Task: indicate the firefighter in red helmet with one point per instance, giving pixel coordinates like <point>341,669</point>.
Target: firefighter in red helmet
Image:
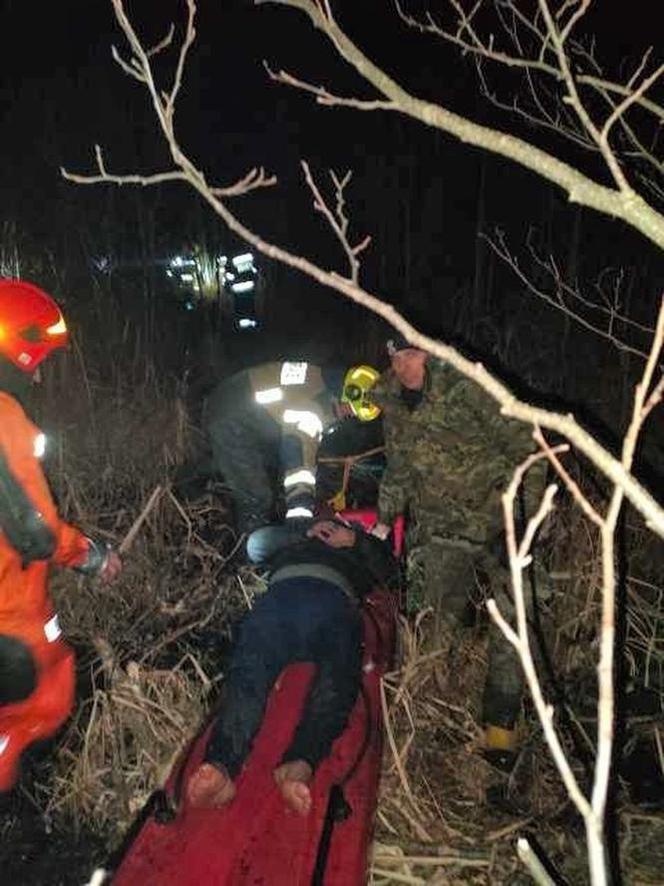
<point>36,665</point>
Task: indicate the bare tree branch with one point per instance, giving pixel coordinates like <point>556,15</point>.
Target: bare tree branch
<point>190,36</point>
<point>623,203</point>
<point>130,68</point>
<point>255,178</point>
<point>530,859</point>
<point>323,97</point>
<point>573,487</point>
<point>519,557</point>
<point>550,111</point>
<point>605,85</point>
<point>476,46</point>
<point>558,40</point>
<point>582,7</point>
<point>564,294</point>
<point>541,117</point>
<point>103,175</point>
<point>163,44</point>
<point>619,110</point>
<point>337,220</point>
<point>510,406</point>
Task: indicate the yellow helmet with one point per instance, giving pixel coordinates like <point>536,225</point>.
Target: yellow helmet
<point>358,382</point>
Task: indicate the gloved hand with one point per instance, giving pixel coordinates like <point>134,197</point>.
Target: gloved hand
<point>101,561</point>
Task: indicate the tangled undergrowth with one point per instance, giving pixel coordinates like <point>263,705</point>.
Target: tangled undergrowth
<point>150,655</point>
<point>447,817</point>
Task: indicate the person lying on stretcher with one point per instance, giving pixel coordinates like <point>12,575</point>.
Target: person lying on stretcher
<point>319,574</point>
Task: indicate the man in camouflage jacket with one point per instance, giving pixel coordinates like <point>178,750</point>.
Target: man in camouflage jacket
<point>450,455</point>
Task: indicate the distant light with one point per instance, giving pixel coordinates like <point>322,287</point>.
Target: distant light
<point>179,262</point>
<point>246,258</point>
<point>186,278</point>
<point>189,306</point>
<point>243,263</point>
<point>243,286</point>
<point>247,323</point>
<point>269,395</point>
<point>102,263</point>
<point>169,273</point>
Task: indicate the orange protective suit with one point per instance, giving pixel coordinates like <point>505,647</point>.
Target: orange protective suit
<point>26,611</point>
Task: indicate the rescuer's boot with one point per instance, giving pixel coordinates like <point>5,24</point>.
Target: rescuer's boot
<point>500,746</point>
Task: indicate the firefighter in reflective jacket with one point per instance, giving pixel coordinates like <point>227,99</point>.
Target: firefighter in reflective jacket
<point>36,666</point>
<point>265,424</point>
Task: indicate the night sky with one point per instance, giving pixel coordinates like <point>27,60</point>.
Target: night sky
<point>414,190</point>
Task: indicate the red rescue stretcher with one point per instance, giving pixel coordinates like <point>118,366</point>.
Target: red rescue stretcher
<point>257,839</point>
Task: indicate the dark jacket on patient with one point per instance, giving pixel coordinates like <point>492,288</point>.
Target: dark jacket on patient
<point>309,613</point>
<point>364,567</point>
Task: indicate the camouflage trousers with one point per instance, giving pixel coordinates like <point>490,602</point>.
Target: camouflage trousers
<point>452,576</point>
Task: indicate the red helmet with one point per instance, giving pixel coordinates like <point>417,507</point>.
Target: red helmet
<point>31,325</point>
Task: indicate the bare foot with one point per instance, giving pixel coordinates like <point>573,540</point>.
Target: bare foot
<point>293,780</point>
<point>210,787</point>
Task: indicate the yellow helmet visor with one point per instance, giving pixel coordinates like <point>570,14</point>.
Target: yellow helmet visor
<point>358,383</point>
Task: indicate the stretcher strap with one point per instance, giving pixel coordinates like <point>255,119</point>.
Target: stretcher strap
<point>338,500</point>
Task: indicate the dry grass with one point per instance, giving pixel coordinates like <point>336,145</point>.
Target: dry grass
<point>123,741</point>
<point>150,650</point>
<point>150,676</point>
<point>435,823</point>
<point>445,816</point>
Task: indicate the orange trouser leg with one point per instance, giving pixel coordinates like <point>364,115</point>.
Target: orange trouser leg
<point>37,717</point>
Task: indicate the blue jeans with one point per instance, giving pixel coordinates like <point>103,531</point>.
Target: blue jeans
<point>297,620</point>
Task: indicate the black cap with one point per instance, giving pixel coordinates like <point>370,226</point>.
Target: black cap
<point>397,343</point>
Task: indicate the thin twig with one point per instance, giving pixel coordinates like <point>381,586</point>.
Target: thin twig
<point>531,860</point>
<point>135,527</point>
<point>337,220</point>
<point>403,778</point>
